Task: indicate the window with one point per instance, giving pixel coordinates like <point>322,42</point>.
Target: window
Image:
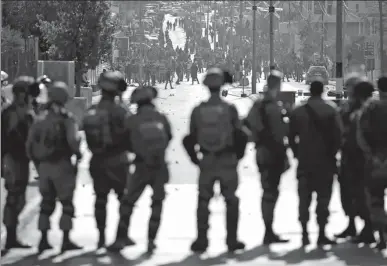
<point>330,7</point>
<point>318,5</point>
<point>374,26</point>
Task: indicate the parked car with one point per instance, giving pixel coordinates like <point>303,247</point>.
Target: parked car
<point>317,71</point>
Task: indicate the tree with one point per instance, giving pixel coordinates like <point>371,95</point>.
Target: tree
<point>311,39</point>
<point>81,32</point>
<point>11,40</point>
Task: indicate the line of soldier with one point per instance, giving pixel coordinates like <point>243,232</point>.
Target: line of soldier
<point>216,142</point>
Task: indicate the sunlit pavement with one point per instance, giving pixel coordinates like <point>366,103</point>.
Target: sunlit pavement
<point>179,222</point>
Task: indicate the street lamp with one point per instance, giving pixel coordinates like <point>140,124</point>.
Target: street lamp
<point>254,74</point>
<point>271,19</point>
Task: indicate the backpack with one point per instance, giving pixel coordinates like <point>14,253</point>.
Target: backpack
<point>97,127</point>
<point>215,130</point>
<point>49,136</point>
<point>149,141</point>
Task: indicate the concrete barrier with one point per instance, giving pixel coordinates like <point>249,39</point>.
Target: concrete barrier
<point>87,92</point>
<point>78,106</point>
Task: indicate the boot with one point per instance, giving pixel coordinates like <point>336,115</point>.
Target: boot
<point>44,244</point>
<point>366,236</point>
<point>323,239</point>
<point>67,244</point>
<point>237,245</point>
<point>350,231</point>
<point>101,240</point>
<point>382,241</point>
<point>12,241</point>
<point>199,245</point>
<point>305,235</point>
<point>151,246</point>
<point>272,238</point>
<point>122,239</point>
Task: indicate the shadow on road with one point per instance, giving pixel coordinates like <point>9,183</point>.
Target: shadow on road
<point>353,255</point>
<point>345,252</point>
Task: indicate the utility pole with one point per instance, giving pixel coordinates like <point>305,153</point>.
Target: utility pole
<point>381,30</point>
<point>271,19</point>
<point>339,47</point>
<point>224,31</point>
<point>322,31</point>
<point>141,45</point>
<point>232,29</point>
<point>254,74</point>
<point>240,27</point>
<point>208,18</point>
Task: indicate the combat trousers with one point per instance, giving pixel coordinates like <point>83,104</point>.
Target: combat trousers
<point>57,181</point>
<point>142,177</point>
<point>16,177</point>
<point>109,173</point>
<point>353,188</point>
<point>321,183</point>
<point>270,180</point>
<point>224,170</point>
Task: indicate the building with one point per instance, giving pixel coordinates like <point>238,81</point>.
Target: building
<point>360,28</point>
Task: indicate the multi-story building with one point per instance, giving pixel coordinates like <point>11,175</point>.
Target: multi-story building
<point>360,28</point>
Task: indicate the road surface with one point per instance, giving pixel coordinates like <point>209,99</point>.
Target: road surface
<point>178,224</point>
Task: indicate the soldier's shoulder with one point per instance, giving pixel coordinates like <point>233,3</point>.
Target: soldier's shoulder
<point>331,104</point>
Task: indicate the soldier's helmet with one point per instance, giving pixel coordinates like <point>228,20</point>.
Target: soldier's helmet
<point>112,81</point>
<point>22,84</point>
<point>143,95</point>
<point>58,93</point>
<point>216,77</point>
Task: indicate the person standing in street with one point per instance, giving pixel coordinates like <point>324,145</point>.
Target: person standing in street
<point>352,176</point>
<point>194,72</point>
<point>317,126</point>
<point>372,139</point>
<point>150,134</point>
<point>216,128</point>
<point>106,137</point>
<point>16,120</point>
<point>265,120</point>
<point>52,141</point>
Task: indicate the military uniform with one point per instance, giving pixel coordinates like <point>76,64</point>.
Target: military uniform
<point>150,134</point>
<point>52,141</point>
<point>16,120</point>
<point>373,134</point>
<point>315,151</point>
<point>219,162</point>
<point>352,173</point>
<point>105,131</point>
<point>265,120</point>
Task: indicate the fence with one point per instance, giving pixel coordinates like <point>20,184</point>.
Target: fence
<point>16,63</point>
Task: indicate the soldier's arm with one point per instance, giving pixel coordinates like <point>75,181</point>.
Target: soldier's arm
<point>253,121</point>
<point>293,134</point>
<point>338,131</point>
<point>277,127</point>
<point>31,134</point>
<point>366,127</point>
<point>72,136</point>
<point>168,128</point>
<point>192,125</point>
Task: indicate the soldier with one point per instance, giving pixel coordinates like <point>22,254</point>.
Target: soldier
<point>318,127</point>
<point>150,134</point>
<point>351,177</point>
<point>16,120</point>
<point>216,128</point>
<point>51,143</point>
<point>265,120</point>
<point>105,131</point>
<point>372,140</point>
